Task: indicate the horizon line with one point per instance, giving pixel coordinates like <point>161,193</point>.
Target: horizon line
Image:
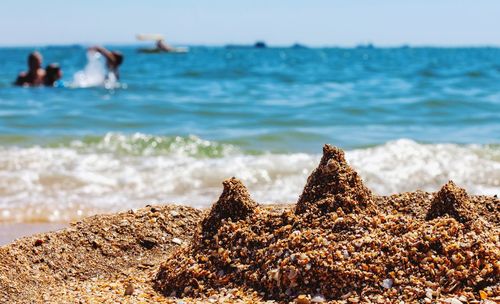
<point>279,45</point>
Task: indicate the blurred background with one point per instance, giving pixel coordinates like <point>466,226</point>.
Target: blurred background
<point>246,89</point>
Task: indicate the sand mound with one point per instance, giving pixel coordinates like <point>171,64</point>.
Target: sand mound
<point>334,184</point>
<point>453,201</point>
<point>233,204</point>
<point>94,260</point>
<point>339,253</point>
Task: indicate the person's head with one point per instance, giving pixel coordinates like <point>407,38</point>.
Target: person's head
<point>52,74</point>
<point>34,61</point>
<point>118,56</point>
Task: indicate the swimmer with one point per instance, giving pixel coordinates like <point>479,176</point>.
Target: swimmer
<point>53,74</point>
<point>35,74</point>
<point>162,46</point>
<point>113,60</point>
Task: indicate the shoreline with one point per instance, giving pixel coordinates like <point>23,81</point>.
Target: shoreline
<point>120,174</point>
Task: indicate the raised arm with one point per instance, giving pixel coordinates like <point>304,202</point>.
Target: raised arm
<point>106,53</point>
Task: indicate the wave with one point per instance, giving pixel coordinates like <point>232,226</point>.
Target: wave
<point>139,144</point>
<point>116,172</point>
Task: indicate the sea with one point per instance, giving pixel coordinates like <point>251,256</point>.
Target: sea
<point>176,125</point>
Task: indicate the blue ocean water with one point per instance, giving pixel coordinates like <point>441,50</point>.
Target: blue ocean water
<point>178,124</point>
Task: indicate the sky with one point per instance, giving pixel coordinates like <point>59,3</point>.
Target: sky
<point>278,22</point>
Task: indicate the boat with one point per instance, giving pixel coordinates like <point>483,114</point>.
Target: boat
<point>256,45</point>
<point>260,45</point>
<point>174,50</point>
<point>161,46</point>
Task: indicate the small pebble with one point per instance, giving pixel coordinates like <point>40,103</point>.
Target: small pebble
<point>318,299</point>
<point>483,294</point>
<point>177,241</point>
<point>302,299</point>
<point>428,293</point>
<point>129,290</point>
<point>387,283</point>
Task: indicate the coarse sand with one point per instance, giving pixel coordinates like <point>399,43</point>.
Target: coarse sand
<point>339,244</point>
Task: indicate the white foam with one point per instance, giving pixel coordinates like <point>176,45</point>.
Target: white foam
<point>405,165</point>
<point>94,74</point>
<point>59,184</point>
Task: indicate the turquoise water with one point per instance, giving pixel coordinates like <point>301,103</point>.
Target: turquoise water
<point>177,125</point>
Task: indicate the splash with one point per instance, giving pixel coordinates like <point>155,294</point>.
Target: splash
<point>94,74</point>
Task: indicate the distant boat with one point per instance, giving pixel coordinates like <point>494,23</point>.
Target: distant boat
<point>260,45</point>
<point>256,45</point>
<point>298,46</point>
<point>174,50</point>
<point>161,46</point>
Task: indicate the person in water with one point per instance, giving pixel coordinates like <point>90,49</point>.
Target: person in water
<point>53,74</point>
<point>113,60</point>
<point>162,46</point>
<point>35,74</point>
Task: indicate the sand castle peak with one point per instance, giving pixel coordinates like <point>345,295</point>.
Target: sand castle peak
<point>286,255</point>
<point>234,203</point>
<point>453,201</point>
<point>334,184</point>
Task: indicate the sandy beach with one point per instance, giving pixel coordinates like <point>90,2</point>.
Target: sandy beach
<point>250,152</point>
<point>339,244</point>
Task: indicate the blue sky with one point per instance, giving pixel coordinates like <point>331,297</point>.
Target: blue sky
<point>279,22</point>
